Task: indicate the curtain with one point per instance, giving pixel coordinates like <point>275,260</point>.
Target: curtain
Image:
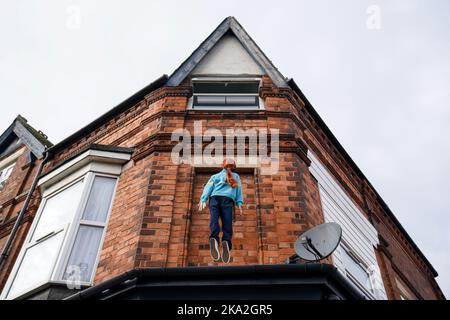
<point>99,199</point>
<point>84,253</point>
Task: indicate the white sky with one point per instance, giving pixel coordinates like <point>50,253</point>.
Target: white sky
<point>384,93</point>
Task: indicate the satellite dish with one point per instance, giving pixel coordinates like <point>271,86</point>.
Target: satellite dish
<point>319,242</point>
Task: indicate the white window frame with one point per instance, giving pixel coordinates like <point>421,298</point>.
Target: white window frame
<point>359,236</point>
<point>77,222</point>
<point>6,163</point>
<point>87,166</point>
<point>404,292</point>
<point>5,173</point>
<point>359,261</point>
<point>225,108</point>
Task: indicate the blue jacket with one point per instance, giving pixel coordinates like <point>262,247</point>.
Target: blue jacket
<point>218,186</point>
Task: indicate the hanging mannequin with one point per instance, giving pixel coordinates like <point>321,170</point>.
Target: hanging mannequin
<point>224,191</point>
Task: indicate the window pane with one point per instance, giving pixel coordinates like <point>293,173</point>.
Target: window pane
<point>355,269</point>
<point>4,174</point>
<point>84,253</point>
<point>210,100</point>
<point>59,210</point>
<point>99,199</point>
<point>37,265</point>
<point>241,100</point>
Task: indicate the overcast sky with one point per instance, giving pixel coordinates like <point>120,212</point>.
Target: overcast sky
<point>381,85</point>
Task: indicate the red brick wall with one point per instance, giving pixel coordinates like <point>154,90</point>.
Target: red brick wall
<point>119,251</point>
<point>154,221</point>
<point>245,228</point>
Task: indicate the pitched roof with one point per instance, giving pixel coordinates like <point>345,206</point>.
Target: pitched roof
<point>36,141</point>
<point>230,24</point>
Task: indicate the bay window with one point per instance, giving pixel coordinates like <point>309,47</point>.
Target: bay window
<point>66,236</point>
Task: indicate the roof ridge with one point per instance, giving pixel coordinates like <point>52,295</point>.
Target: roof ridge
<point>228,24</point>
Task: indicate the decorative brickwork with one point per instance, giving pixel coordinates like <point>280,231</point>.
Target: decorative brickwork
<point>154,220</point>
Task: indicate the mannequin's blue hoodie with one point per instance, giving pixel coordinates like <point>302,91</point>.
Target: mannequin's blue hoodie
<point>218,186</point>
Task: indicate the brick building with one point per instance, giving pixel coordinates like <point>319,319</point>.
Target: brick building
<point>112,207</point>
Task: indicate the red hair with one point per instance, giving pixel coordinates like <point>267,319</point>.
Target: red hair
<point>229,164</point>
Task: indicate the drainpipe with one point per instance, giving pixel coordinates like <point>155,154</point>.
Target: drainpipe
<point>19,219</point>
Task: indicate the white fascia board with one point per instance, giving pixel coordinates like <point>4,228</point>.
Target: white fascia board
<point>87,157</point>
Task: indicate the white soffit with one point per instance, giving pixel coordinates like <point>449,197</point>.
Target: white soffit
<point>85,158</point>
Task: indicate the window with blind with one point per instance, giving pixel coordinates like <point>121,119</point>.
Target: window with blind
<point>355,257</point>
<point>67,236</point>
<point>226,95</point>
<point>64,241</point>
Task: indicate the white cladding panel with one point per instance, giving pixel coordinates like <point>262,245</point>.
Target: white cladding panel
<point>358,234</point>
<point>228,57</point>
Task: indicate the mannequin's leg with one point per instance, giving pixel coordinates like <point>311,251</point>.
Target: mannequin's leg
<point>227,227</point>
<point>214,211</point>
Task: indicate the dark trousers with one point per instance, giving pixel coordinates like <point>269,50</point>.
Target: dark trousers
<point>222,207</point>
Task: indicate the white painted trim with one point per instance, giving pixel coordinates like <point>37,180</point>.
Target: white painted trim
<point>17,264</point>
<point>228,109</point>
<point>86,157</point>
<point>358,259</point>
<point>359,236</point>
<point>11,158</point>
<point>90,164</point>
<point>59,273</point>
<point>88,178</point>
<point>190,104</point>
<point>62,180</point>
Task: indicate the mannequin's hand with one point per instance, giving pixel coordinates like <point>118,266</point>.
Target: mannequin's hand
<point>240,211</point>
<point>201,206</point>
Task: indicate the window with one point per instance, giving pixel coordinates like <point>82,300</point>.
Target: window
<point>356,270</point>
<point>404,292</point>
<point>90,230</point>
<point>65,238</point>
<point>57,217</point>
<point>5,172</point>
<point>41,250</point>
<point>355,257</point>
<point>226,95</point>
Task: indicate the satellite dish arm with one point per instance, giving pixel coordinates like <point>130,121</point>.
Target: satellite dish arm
<point>316,252</point>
